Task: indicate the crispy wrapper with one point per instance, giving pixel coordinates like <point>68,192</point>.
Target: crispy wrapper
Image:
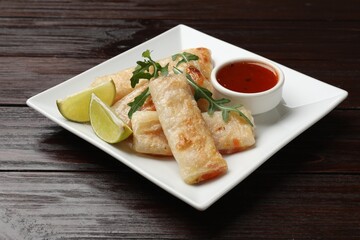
<point>188,136</point>
<point>148,136</point>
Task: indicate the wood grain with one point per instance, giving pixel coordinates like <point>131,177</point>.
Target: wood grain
<point>188,9</point>
<point>123,205</point>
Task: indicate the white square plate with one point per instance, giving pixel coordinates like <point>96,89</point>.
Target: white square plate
<point>305,101</point>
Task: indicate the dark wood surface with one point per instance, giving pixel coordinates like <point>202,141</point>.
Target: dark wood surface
<point>54,185</point>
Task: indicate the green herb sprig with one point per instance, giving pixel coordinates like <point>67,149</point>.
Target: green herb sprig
<point>142,70</point>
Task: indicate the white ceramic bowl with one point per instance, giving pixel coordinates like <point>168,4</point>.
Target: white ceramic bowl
<point>257,103</point>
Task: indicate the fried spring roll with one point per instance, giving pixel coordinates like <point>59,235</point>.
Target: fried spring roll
<point>233,136</point>
<point>230,137</point>
<point>189,138</point>
<point>148,136</point>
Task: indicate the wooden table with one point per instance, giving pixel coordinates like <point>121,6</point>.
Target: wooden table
<point>54,185</point>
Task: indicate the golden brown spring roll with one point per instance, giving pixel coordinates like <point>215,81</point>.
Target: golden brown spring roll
<point>189,138</point>
<point>148,136</point>
<point>204,63</point>
<point>230,137</point>
<point>122,78</point>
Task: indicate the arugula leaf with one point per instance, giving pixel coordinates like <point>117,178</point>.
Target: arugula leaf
<point>138,102</point>
<point>142,70</point>
<point>186,57</point>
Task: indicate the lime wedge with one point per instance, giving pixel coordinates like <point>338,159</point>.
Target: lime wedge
<point>105,123</point>
<point>76,107</point>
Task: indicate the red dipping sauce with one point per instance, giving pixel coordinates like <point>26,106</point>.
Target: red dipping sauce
<point>247,77</point>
